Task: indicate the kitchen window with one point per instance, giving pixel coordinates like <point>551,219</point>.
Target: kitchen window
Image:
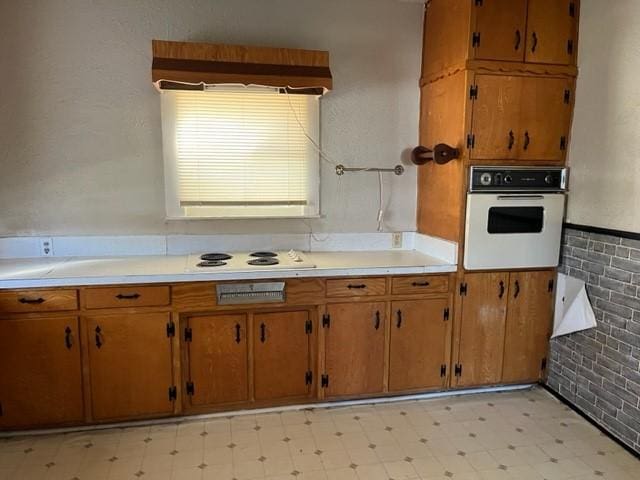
<point>240,152</point>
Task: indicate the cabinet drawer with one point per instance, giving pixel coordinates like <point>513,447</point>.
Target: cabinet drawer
<point>25,301</point>
<point>133,296</point>
<point>356,287</point>
<point>420,284</point>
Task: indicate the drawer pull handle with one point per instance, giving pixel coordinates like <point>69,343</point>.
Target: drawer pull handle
<point>376,324</point>
<point>32,301</point>
<point>517,292</point>
<point>68,338</point>
<point>512,139</point>
<point>131,296</point>
<point>263,332</point>
<point>361,285</point>
<point>518,40</point>
<point>534,41</point>
<point>420,284</point>
<point>237,333</point>
<point>501,289</point>
<point>527,140</point>
<point>399,324</point>
<point>99,340</point>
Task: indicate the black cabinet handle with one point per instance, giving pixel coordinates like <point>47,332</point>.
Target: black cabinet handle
<point>376,324</point>
<point>131,296</point>
<point>501,289</point>
<point>527,140</point>
<point>99,341</point>
<point>237,333</point>
<point>361,285</point>
<point>518,39</point>
<point>512,139</point>
<point>399,323</point>
<point>263,332</point>
<point>420,284</point>
<point>534,42</point>
<point>32,301</point>
<point>517,292</point>
<point>68,339</point>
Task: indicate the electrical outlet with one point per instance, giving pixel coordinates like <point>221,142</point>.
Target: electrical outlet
<point>396,240</point>
<point>46,247</point>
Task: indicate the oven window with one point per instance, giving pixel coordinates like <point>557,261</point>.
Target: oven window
<point>515,219</point>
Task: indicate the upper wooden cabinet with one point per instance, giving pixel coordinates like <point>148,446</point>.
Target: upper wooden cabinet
<point>523,31</point>
<point>40,378</point>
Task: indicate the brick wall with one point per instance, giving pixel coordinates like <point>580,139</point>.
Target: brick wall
<point>598,370</point>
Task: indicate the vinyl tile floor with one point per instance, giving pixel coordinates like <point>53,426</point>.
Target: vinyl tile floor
<point>526,435</point>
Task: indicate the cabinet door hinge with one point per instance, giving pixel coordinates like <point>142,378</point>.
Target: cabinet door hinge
<point>308,378</point>
<point>463,289</point>
<point>475,39</point>
<point>324,381</point>
<point>171,329</point>
<point>473,92</point>
<point>191,389</point>
<point>471,140</point>
<point>443,370</point>
<point>188,334</point>
<point>326,320</point>
<point>308,327</point>
<point>1,411</point>
<point>446,314</point>
<point>563,143</point>
<point>570,47</point>
<point>572,9</point>
<point>173,393</point>
<point>550,286</point>
<point>567,96</point>
<point>458,370</point>
<point>543,364</point>
<point>478,3</point>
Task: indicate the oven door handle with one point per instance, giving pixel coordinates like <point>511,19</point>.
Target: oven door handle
<point>520,197</point>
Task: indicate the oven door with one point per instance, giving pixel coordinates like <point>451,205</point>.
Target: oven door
<point>513,230</point>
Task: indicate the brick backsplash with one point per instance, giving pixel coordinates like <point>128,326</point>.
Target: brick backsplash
<point>598,370</point>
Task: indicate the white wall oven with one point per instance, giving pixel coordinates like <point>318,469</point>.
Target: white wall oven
<point>514,217</point>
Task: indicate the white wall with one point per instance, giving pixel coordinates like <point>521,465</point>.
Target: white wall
<point>604,153</point>
<point>80,144</point>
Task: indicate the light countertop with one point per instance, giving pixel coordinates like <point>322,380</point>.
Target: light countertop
<point>54,272</point>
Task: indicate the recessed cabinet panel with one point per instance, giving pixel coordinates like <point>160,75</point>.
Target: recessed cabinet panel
<point>482,330</point>
<point>40,377</point>
<point>551,31</point>
<point>528,326</point>
<point>131,365</point>
<point>419,344</point>
<point>282,355</point>
<point>354,348</point>
<point>500,30</point>
<point>217,357</point>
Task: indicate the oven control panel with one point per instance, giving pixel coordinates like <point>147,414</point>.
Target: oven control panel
<point>517,179</point>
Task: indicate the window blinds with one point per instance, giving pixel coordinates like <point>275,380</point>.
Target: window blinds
<point>241,151</point>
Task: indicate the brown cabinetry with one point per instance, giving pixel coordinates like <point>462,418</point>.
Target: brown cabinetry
<point>130,365</point>
<point>40,377</point>
<point>500,29</point>
<point>355,348</point>
<point>418,357</point>
<point>552,31</point>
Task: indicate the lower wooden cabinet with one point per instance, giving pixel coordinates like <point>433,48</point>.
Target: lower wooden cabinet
<point>420,338</point>
<point>216,355</point>
<point>41,376</point>
<point>282,355</point>
<point>355,348</point>
<point>130,365</point>
<point>529,321</point>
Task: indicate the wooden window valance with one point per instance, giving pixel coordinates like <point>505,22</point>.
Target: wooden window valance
<point>188,66</point>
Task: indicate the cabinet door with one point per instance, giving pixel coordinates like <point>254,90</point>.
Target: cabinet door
<point>130,365</point>
<point>551,31</point>
<point>282,355</point>
<point>217,359</point>
<point>545,118</point>
<point>482,329</point>
<point>419,341</point>
<point>501,26</point>
<point>496,116</point>
<point>41,377</point>
<point>528,325</point>
<point>354,348</point>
